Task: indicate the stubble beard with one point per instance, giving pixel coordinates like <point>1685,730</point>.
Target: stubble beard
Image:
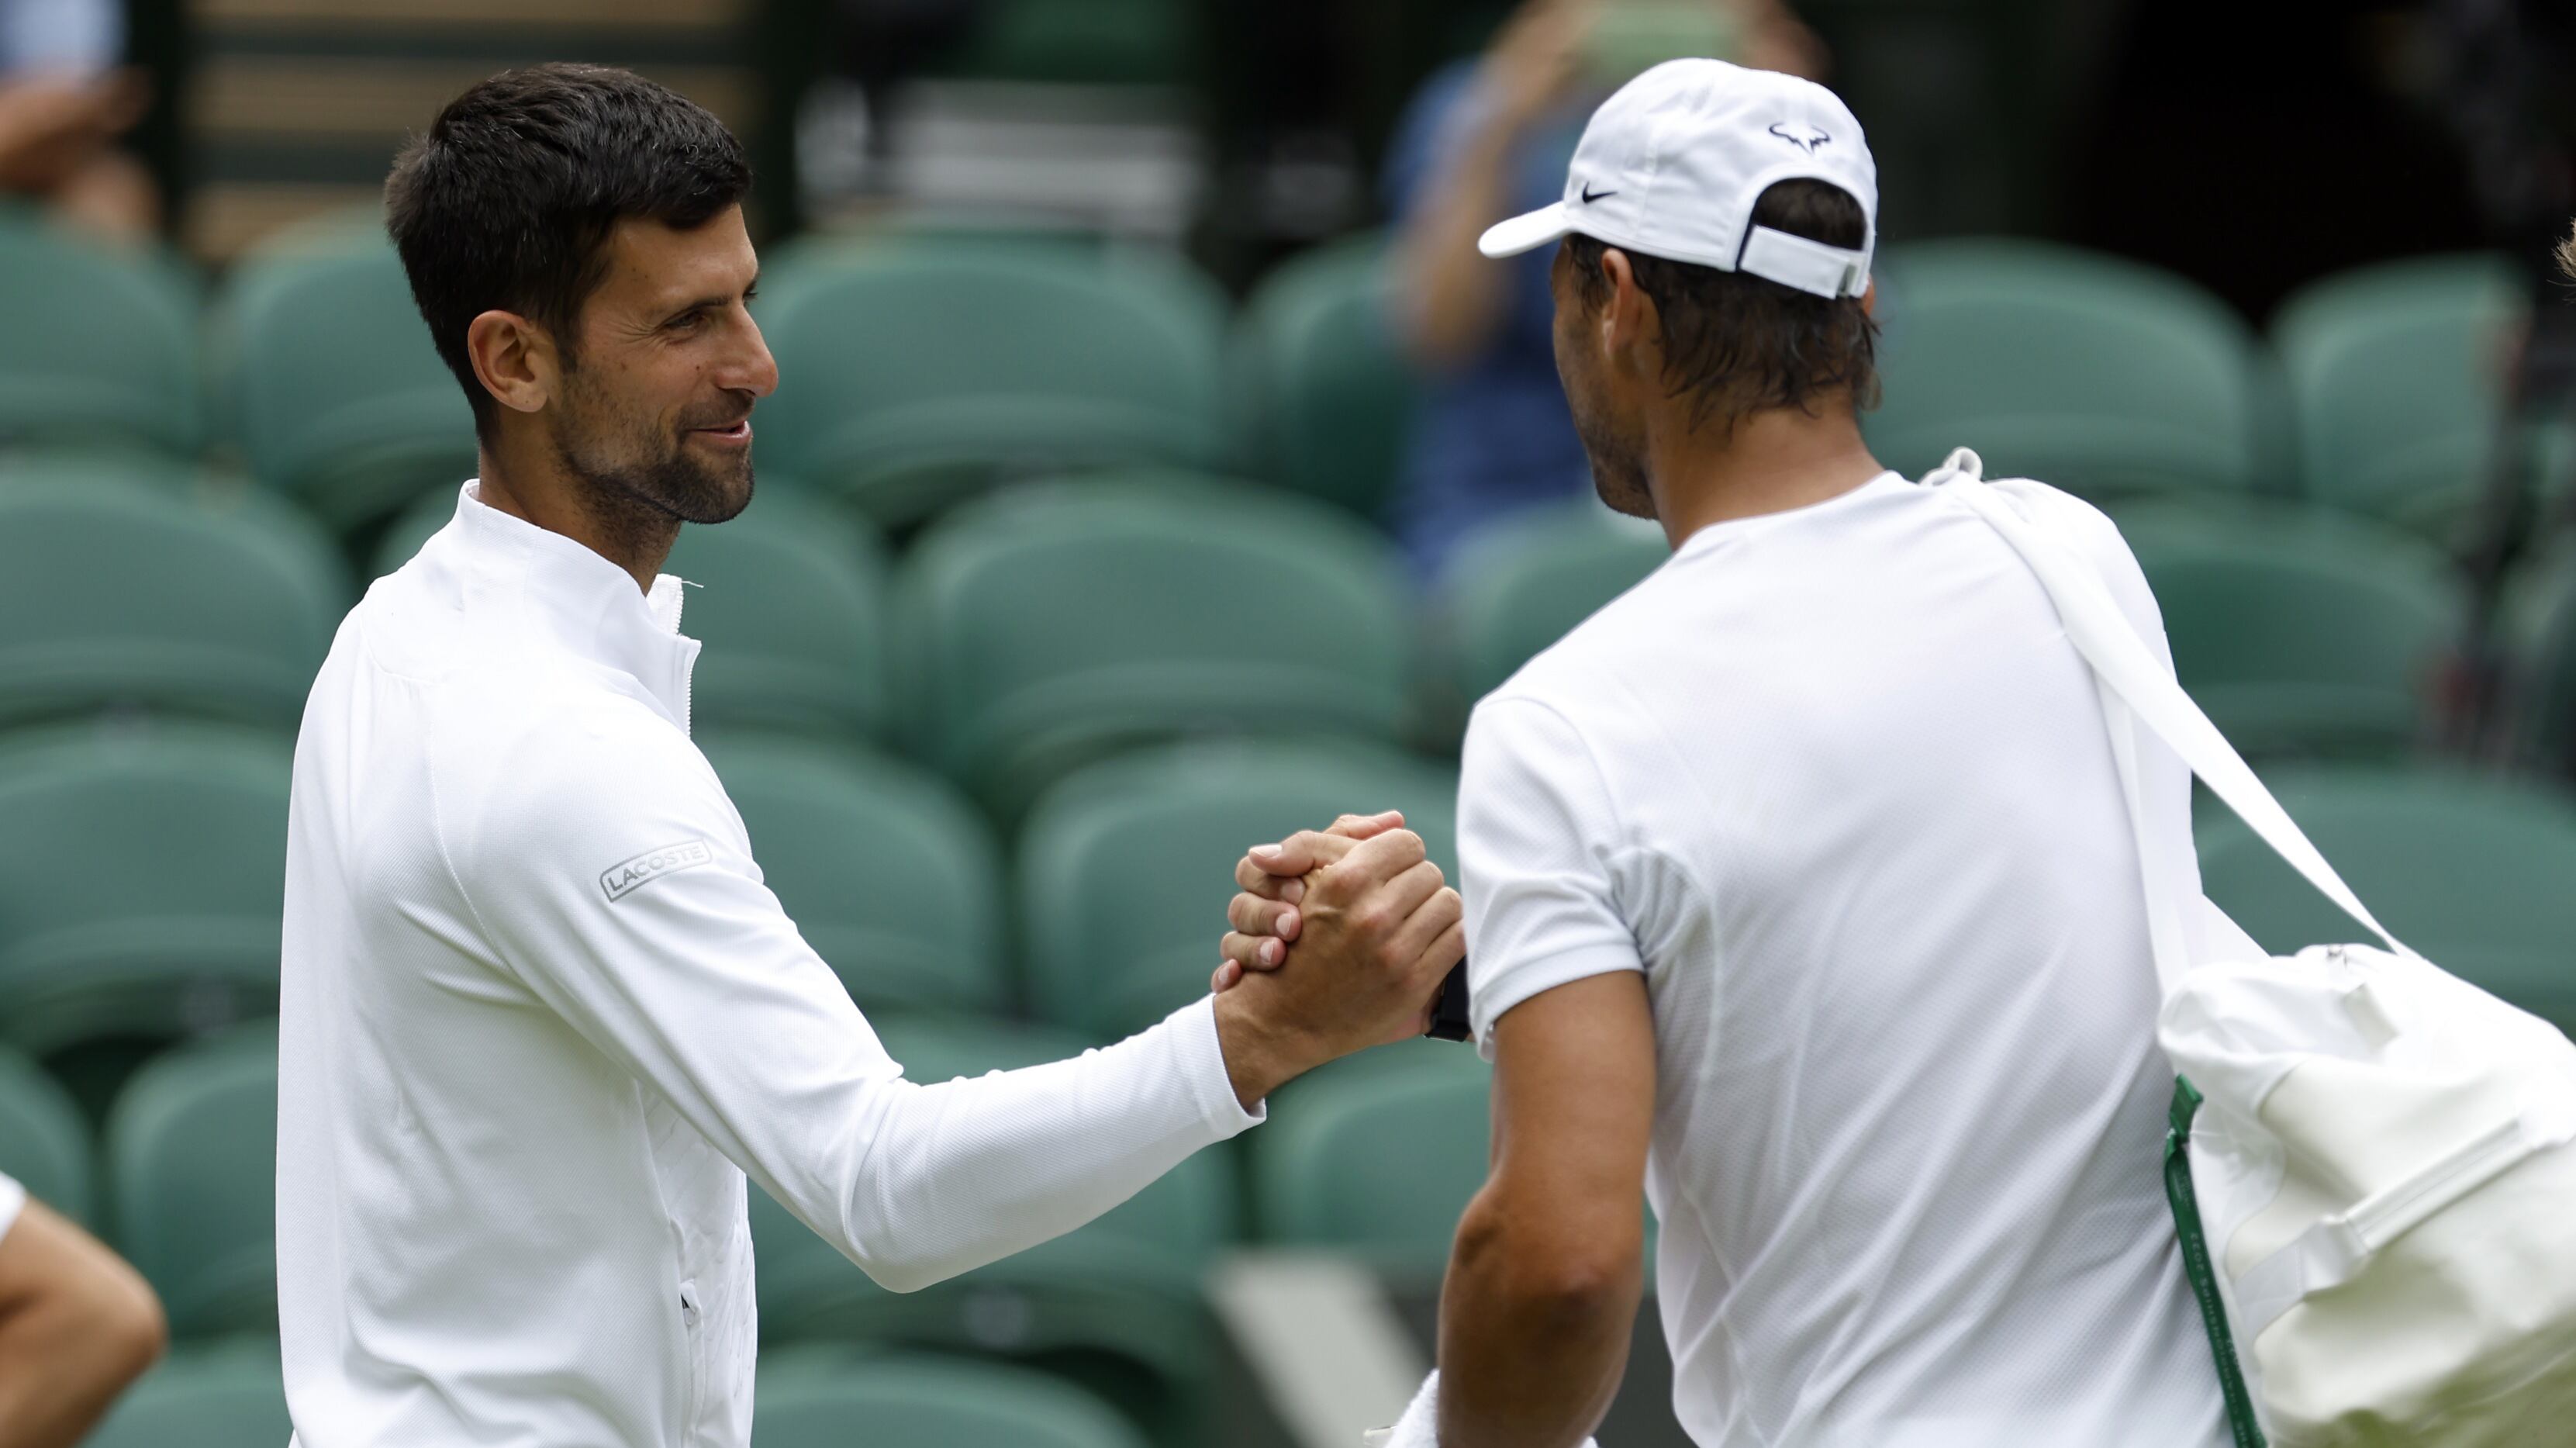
<point>645,495</point>
<point>1618,464</point>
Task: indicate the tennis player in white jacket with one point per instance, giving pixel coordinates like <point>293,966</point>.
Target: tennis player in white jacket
<point>539,1015</point>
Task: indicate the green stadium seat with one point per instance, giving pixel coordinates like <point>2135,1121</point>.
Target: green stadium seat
<point>101,344</point>
<point>228,1394</point>
<point>951,1403</point>
<point>140,873</point>
<point>335,391</point>
<point>1523,583</point>
<point>192,1177</point>
<point>1378,1159</point>
<point>2394,374</point>
<point>2301,633</point>
<point>914,375</point>
<point>790,603</point>
<point>1124,870</point>
<point>43,1141</point>
<point>2537,625</point>
<point>119,593</point>
<point>1052,626</point>
<point>102,467</point>
<point>1114,1303</point>
<point>890,875</point>
<point>2472,872</point>
<point>2098,375</point>
<point>789,599</point>
<point>1322,398</point>
<point>1098,42</point>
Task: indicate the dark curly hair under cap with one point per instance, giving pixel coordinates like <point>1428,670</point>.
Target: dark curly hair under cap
<point>506,202</point>
<point>1742,344</point>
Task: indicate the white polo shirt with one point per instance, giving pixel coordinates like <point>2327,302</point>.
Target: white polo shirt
<point>540,1016</point>
<point>13,1200</point>
<point>1835,781</point>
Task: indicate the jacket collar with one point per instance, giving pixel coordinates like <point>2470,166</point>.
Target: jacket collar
<point>561,590</point>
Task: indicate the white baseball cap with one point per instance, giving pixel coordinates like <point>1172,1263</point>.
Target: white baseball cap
<point>1672,165</point>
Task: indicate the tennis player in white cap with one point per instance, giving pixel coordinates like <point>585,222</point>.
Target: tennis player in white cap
<point>1801,895</point>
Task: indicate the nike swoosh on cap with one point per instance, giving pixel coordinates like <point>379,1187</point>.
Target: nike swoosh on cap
<point>1590,195</point>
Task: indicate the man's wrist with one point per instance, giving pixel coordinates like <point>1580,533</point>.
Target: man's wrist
<point>1260,1056</point>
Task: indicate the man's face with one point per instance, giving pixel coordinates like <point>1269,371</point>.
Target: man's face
<point>655,402</point>
<point>1613,435</point>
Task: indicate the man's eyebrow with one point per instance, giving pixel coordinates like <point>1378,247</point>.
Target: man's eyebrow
<point>700,304</point>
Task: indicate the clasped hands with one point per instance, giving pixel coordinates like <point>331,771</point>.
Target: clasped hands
<point>1360,902</point>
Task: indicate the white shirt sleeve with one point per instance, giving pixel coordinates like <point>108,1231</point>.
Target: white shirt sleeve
<point>618,886</point>
<point>1537,847</point>
<point>13,1200</point>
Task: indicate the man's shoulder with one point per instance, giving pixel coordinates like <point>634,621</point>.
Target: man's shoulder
<point>1589,666</point>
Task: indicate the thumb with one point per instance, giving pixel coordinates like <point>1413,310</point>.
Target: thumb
<point>1361,827</point>
<point>1301,852</point>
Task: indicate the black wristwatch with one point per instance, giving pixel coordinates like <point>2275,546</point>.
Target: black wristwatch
<point>1449,1013</point>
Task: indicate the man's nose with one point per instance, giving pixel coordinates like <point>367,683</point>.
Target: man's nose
<point>754,370</point>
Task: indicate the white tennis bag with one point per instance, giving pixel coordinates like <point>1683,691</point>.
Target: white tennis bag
<point>2368,1162</point>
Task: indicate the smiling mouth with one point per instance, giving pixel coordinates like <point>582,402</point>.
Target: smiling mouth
<point>738,430</point>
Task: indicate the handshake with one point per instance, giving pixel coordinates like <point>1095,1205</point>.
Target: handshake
<point>1375,930</point>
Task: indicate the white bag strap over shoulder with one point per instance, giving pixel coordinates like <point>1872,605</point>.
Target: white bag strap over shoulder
<point>2102,634</point>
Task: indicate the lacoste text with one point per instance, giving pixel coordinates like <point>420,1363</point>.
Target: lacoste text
<point>626,877</point>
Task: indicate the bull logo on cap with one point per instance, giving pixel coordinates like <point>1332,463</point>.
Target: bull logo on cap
<point>1807,142</point>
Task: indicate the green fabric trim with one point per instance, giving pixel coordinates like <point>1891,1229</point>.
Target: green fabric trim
<point>2197,1267</point>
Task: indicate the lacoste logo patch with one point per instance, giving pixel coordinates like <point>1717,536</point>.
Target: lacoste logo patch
<point>628,876</point>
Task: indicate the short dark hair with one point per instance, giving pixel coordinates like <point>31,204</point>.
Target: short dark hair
<point>1745,344</point>
<point>507,200</point>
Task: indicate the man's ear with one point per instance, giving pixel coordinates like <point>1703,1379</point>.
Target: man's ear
<point>513,358</point>
<point>1869,299</point>
<point>1629,323</point>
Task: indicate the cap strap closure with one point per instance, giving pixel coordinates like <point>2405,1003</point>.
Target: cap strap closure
<point>1809,266</point>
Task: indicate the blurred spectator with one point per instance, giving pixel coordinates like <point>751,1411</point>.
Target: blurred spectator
<point>63,104</point>
<point>76,1325</point>
<point>1490,137</point>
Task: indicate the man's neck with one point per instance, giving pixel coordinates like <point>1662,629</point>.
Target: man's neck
<point>1771,462</point>
<point>526,482</point>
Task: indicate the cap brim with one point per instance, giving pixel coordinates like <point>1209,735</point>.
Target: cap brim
<point>1528,233</point>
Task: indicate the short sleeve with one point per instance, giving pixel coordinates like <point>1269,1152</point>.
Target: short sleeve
<point>1537,841</point>
<point>13,1200</point>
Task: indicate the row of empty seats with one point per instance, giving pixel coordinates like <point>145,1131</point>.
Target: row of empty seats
<point>1376,1155</point>
<point>917,371</point>
<point>141,866</point>
<point>232,1394</point>
<point>1049,625</point>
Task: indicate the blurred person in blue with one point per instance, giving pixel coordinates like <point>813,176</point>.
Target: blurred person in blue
<point>63,103</point>
<point>1490,136</point>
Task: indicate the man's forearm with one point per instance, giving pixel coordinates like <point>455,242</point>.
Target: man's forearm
<point>76,1326</point>
<point>1533,1333</point>
<point>1449,307</point>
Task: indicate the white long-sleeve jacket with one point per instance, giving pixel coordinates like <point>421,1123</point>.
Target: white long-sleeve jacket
<point>540,1016</point>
